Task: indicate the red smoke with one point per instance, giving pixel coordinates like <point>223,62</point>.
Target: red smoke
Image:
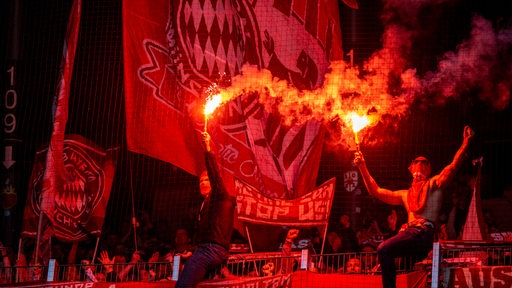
<point>387,83</point>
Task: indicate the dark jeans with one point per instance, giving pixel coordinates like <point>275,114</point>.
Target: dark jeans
<point>413,241</point>
<point>206,257</point>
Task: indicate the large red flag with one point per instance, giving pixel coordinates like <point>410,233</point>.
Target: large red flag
<point>175,50</point>
<point>79,205</point>
<point>55,172</point>
<point>157,122</point>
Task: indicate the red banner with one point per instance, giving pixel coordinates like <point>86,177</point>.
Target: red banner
<point>277,281</point>
<point>497,276</point>
<point>416,279</point>
<point>308,210</point>
<point>297,279</point>
<point>175,50</point>
<point>79,207</point>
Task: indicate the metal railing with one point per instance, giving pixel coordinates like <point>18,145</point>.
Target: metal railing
<point>446,256</point>
<point>250,264</point>
<point>450,255</point>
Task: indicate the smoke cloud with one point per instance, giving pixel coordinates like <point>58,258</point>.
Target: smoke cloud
<point>387,84</point>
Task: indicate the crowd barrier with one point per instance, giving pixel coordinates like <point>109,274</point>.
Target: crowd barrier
<point>464,264</point>
<point>453,264</point>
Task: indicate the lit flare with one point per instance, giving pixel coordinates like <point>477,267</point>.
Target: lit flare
<point>212,103</point>
<point>358,123</point>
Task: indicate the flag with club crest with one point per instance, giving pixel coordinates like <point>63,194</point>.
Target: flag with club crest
<point>79,202</point>
<point>175,50</point>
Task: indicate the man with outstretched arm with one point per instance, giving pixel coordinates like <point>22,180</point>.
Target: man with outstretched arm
<point>422,201</point>
<point>215,225</point>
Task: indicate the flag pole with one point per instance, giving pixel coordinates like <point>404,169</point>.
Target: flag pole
<point>16,280</point>
<point>95,249</point>
<point>134,219</point>
<point>250,248</point>
<point>38,236</point>
<point>249,238</point>
<point>323,245</point>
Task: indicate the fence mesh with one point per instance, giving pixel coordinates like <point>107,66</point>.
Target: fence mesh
<point>151,199</point>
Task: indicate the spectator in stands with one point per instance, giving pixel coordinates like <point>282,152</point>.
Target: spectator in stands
<point>371,235</point>
<point>349,242</point>
<point>115,270</point>
<point>108,267</point>
<point>390,227</point>
<point>5,268</point>
<point>149,272</point>
<point>215,225</point>
<point>90,271</point>
<point>332,246</point>
<point>316,240</point>
<point>182,246</point>
<point>422,202</point>
<point>119,260</point>
<point>287,262</point>
<point>333,243</point>
<point>353,265</point>
<point>369,258</point>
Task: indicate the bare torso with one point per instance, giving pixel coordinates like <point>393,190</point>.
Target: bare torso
<point>432,207</point>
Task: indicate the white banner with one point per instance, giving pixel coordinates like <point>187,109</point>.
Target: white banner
<point>311,209</point>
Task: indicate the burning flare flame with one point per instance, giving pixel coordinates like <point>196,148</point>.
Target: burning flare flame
<point>212,103</point>
<point>358,122</point>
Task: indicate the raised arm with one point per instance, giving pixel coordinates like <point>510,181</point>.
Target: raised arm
<point>287,262</point>
<point>206,139</point>
<point>385,195</point>
<point>212,168</point>
<point>447,174</point>
<point>287,245</point>
<point>126,269</point>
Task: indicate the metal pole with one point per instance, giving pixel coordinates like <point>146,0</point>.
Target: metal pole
<point>95,250</point>
<point>435,265</point>
<point>38,237</point>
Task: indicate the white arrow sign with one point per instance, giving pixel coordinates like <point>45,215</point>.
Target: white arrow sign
<point>8,162</point>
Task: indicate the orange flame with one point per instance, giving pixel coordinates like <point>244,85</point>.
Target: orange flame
<point>212,103</point>
<point>343,91</point>
<point>358,122</point>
